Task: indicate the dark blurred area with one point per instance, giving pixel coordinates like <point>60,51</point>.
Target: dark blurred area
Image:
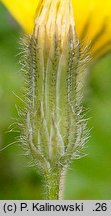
<point>87,178</point>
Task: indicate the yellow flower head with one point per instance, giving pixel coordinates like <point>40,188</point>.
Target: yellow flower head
<point>55,69</point>
<point>53,127</point>
<point>92,19</point>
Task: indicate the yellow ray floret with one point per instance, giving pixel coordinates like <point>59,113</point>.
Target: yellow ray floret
<point>93,22</point>
<point>55,17</point>
<point>23,11</point>
<point>92,18</point>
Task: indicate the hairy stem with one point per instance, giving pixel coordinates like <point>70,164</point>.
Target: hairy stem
<point>54,186</point>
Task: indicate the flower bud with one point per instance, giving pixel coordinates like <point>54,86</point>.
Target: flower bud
<point>55,73</point>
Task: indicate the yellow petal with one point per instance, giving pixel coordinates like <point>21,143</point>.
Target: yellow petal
<point>95,15</point>
<point>55,17</point>
<point>23,11</point>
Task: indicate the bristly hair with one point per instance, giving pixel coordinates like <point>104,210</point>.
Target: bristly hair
<point>54,127</point>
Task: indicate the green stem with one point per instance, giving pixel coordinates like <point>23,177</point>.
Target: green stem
<point>54,187</point>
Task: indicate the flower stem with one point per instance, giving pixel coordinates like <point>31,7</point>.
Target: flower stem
<point>54,187</point>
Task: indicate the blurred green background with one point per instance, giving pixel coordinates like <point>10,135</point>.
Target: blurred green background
<point>87,178</point>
